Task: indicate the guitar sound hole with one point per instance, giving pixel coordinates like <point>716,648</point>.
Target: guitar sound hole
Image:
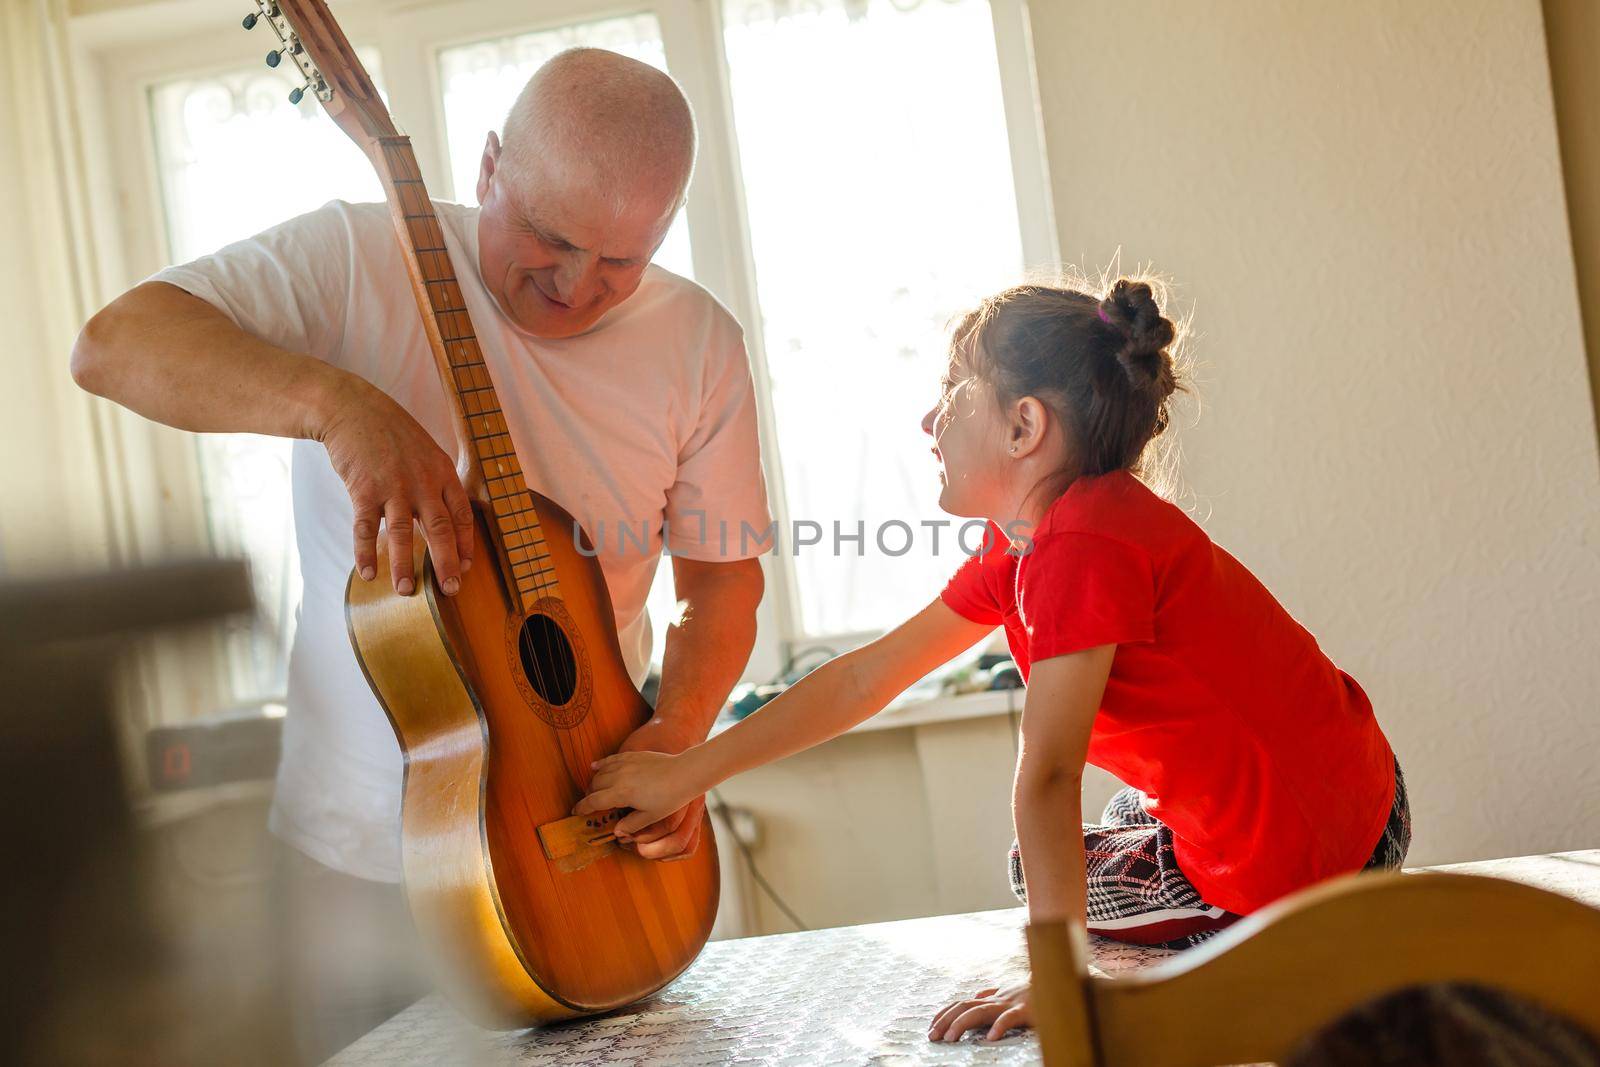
<point>547,659</point>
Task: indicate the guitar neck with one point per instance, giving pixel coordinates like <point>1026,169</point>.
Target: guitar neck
<point>488,462</point>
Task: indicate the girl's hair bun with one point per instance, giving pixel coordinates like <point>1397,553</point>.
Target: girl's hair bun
<point>1131,307</point>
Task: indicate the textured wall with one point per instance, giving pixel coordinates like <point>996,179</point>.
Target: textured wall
<point>1362,202</point>
<point>1572,37</point>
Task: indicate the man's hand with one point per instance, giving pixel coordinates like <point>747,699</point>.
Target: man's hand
<point>395,472</point>
<point>998,1009</point>
<point>675,835</point>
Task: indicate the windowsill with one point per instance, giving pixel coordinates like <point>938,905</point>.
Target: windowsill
<point>914,708</point>
<point>920,709</point>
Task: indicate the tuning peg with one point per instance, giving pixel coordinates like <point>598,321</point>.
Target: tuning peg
<point>295,47</point>
<point>274,57</point>
<point>296,94</point>
<point>250,20</point>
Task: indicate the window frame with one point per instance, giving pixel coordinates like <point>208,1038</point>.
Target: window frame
<point>117,66</point>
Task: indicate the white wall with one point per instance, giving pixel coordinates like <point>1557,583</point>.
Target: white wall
<point>1363,203</point>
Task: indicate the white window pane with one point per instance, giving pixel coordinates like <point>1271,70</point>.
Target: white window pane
<point>481,81</point>
<point>878,175</point>
<point>235,157</point>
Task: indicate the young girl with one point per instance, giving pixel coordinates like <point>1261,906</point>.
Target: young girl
<point>1254,766</point>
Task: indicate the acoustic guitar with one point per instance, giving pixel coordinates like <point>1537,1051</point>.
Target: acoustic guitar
<point>503,695</point>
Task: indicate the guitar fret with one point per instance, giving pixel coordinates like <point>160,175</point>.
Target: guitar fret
<point>530,546</point>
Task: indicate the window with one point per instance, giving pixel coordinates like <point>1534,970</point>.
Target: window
<point>864,165</point>
<point>900,158</point>
<point>231,153</point>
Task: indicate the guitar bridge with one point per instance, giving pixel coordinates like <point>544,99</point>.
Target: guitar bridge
<point>577,841</point>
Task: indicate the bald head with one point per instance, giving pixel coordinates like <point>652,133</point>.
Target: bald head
<point>577,199</point>
<point>589,116</point>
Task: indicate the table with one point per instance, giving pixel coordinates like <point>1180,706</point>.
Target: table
<point>851,995</point>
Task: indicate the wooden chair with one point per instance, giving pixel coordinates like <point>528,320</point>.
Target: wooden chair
<point>1252,993</point>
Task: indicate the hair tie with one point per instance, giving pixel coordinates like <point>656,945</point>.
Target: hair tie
<point>1104,317</point>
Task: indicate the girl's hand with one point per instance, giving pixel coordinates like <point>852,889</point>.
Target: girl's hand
<point>998,1009</point>
<point>653,784</point>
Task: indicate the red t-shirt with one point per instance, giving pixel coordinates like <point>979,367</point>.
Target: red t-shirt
<point>1263,758</point>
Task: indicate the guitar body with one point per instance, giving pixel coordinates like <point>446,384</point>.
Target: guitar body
<point>499,714</point>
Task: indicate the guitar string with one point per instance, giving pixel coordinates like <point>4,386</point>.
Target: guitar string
<point>563,666</point>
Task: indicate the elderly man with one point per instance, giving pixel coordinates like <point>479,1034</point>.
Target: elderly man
<point>628,394</point>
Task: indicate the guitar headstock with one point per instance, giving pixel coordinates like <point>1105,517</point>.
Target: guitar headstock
<point>313,41</point>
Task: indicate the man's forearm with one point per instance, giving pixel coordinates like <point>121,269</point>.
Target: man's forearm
<point>708,648</point>
<point>174,358</point>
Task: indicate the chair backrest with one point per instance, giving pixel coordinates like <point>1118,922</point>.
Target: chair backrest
<point>1255,991</point>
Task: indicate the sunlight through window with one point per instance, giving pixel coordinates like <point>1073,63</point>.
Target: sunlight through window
<point>878,175</point>
<point>235,158</point>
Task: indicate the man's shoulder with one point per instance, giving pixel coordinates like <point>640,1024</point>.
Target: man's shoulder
<point>361,228</point>
<point>348,213</point>
<point>457,217</point>
<point>673,305</point>
<point>370,221</point>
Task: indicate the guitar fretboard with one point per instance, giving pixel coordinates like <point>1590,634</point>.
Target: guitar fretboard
<point>515,524</point>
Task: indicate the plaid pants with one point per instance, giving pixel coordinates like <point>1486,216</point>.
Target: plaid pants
<point>1137,893</point>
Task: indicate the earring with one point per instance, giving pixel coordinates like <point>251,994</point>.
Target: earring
<point>1013,450</point>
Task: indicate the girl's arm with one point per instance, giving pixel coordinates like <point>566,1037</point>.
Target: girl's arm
<point>825,703</point>
<point>1064,694</point>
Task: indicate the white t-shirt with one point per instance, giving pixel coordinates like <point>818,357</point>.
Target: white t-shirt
<point>648,418</point>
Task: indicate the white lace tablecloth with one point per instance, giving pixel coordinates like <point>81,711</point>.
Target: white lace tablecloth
<point>853,995</point>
